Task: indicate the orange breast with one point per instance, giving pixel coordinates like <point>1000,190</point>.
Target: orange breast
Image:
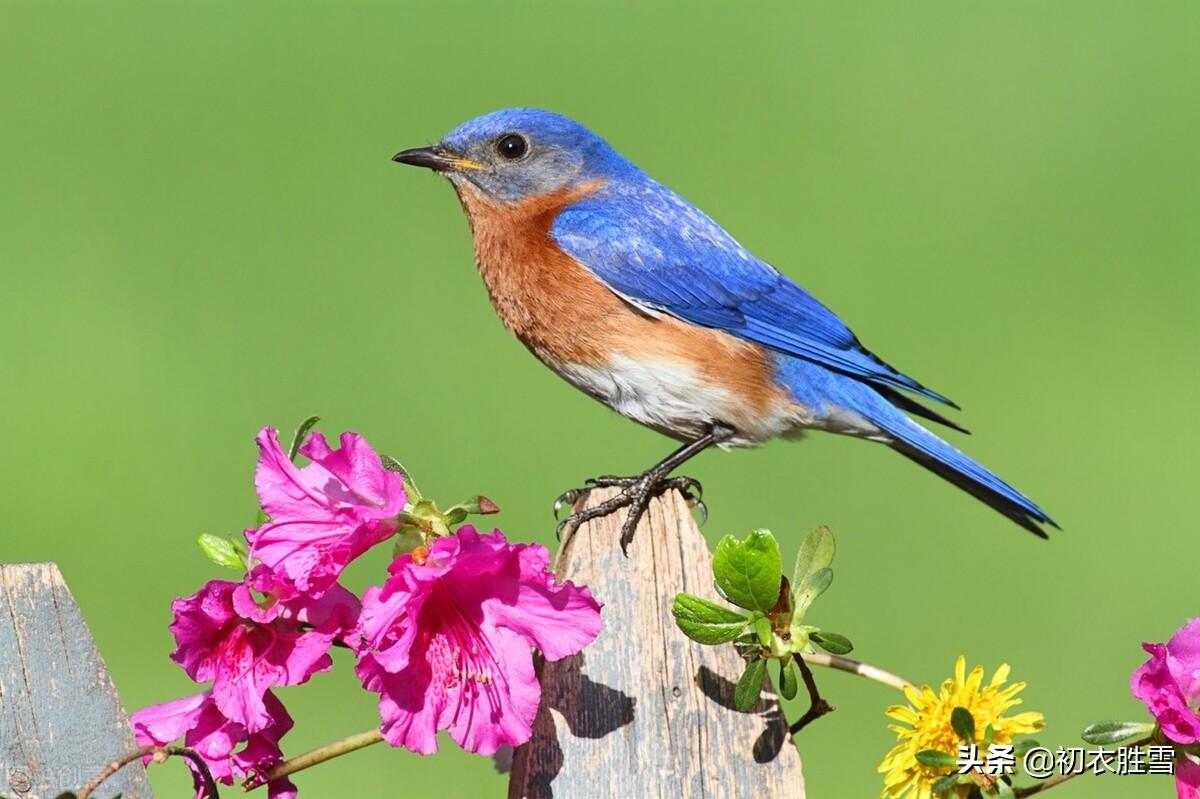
<point>566,316</point>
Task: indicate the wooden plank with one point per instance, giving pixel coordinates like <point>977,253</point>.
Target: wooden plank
<point>61,721</point>
<point>644,712</point>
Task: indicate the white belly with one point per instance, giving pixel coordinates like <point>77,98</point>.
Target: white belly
<point>675,400</point>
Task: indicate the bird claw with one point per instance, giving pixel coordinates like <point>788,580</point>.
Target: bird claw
<point>693,495</point>
<point>568,497</point>
<point>636,492</point>
<point>689,487</point>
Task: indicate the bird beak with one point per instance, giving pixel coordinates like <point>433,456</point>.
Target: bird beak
<point>436,158</point>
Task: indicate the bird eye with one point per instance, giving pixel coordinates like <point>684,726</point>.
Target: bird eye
<point>512,146</point>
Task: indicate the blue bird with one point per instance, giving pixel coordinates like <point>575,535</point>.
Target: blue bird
<point>643,302</point>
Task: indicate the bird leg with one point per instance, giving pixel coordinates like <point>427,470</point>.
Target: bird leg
<point>637,491</point>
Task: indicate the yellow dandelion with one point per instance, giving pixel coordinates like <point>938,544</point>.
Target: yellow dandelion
<point>927,715</point>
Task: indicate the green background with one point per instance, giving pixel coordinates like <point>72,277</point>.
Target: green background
<point>201,233</point>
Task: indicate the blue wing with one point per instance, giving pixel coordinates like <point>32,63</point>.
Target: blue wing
<point>662,254</point>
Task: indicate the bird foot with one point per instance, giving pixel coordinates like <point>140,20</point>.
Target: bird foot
<point>636,493</point>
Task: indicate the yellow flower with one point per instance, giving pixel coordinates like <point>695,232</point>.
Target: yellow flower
<point>928,718</point>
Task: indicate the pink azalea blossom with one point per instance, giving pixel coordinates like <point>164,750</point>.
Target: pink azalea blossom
<point>246,646</point>
<point>446,641</point>
<point>1187,776</point>
<point>1169,683</point>
<point>203,727</point>
<point>326,514</point>
<point>1169,686</point>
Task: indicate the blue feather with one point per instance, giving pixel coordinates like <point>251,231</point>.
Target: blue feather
<point>657,251</point>
<point>824,391</point>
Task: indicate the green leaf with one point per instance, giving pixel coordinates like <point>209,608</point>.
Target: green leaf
<point>707,622</point>
<point>945,784</point>
<point>748,572</point>
<point>762,627</point>
<point>747,646</point>
<point>932,757</point>
<point>1022,747</point>
<point>301,434</point>
<point>816,553</point>
<point>223,551</point>
<point>989,735</point>
<point>1004,790</point>
<point>789,684</point>
<point>1113,732</point>
<point>813,586</point>
<point>749,687</point>
<point>831,642</point>
<point>390,464</point>
<point>963,723</point>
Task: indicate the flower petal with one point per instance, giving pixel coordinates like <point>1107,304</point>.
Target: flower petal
<point>447,642</point>
<point>361,478</point>
<point>285,490</point>
<point>512,587</point>
<point>1155,685</point>
<point>159,725</point>
<point>326,514</point>
<point>488,711</point>
<point>1183,659</point>
<point>1187,777</point>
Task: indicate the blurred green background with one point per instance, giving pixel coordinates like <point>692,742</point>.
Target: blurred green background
<point>201,233</point>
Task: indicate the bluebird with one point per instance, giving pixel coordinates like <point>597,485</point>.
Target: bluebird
<point>640,300</point>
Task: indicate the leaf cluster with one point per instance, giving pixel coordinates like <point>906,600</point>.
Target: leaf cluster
<point>767,620</point>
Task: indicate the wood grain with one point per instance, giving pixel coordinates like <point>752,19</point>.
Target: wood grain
<point>644,712</point>
<point>61,721</point>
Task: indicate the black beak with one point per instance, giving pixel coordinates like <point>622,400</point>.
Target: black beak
<point>429,157</point>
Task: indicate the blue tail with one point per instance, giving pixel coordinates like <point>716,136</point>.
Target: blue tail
<point>918,444</point>
<point>819,389</point>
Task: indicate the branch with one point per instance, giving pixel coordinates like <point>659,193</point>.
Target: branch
<point>311,758</point>
<point>817,706</point>
<point>157,754</point>
<point>864,670</point>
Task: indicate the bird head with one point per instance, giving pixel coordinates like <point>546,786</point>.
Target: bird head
<point>518,154</point>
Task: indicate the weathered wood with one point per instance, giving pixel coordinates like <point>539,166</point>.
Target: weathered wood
<point>644,712</point>
<point>61,721</point>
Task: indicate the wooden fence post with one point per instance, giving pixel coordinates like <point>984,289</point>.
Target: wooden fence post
<point>644,712</point>
<point>61,721</point>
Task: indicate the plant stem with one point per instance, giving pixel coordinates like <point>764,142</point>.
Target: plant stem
<point>319,755</point>
<point>865,670</point>
<point>817,705</point>
<point>1057,779</point>
<point>159,754</point>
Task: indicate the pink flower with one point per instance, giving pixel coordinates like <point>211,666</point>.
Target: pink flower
<point>1187,776</point>
<point>1169,686</point>
<point>326,514</point>
<point>246,647</point>
<point>446,641</point>
<point>1169,683</point>
<point>203,728</point>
